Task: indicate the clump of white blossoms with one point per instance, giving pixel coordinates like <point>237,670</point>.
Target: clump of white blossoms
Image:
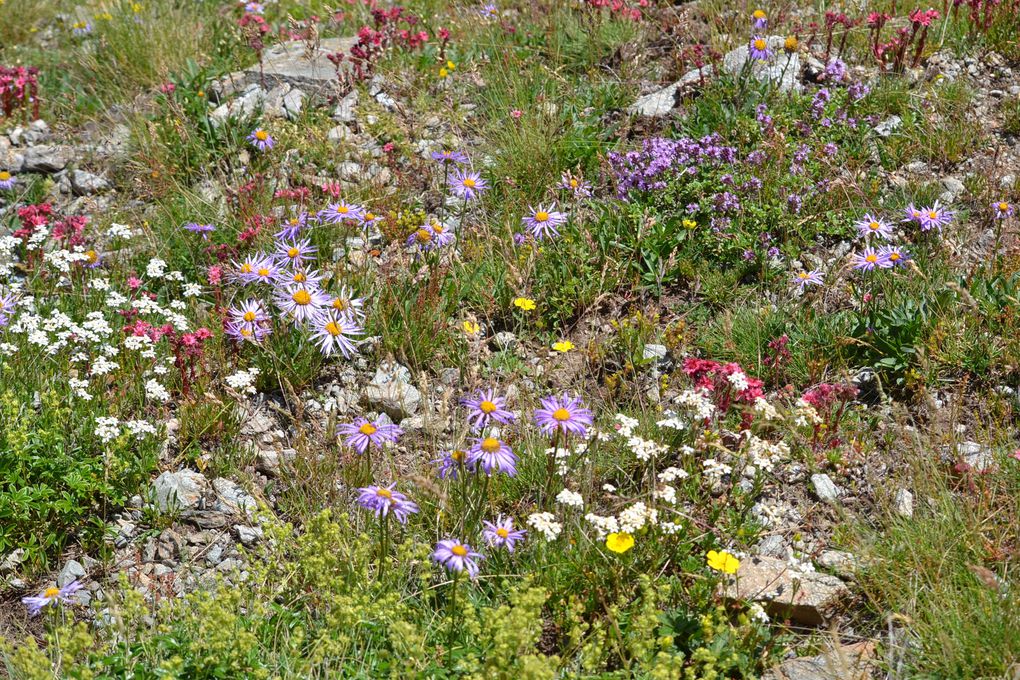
<point>603,525</point>
<point>805,414</point>
<point>244,381</point>
<point>764,454</point>
<point>545,523</point>
<point>697,402</point>
<point>714,470</point>
<point>571,499</point>
<point>107,429</point>
<point>155,391</point>
<point>634,518</point>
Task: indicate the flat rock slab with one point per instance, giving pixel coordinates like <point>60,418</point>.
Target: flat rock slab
<point>846,662</point>
<point>293,64</point>
<point>806,598</point>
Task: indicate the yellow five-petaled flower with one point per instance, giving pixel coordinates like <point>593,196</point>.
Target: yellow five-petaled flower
<point>527,304</point>
<point>620,543</point>
<point>563,346</point>
<point>722,561</point>
<point>470,327</point>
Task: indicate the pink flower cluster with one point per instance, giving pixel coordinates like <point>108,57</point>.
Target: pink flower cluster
<point>727,383</point>
<point>19,86</point>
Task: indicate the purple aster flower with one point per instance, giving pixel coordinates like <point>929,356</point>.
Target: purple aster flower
<point>362,433</point>
<point>92,259</point>
<point>243,272</point>
<point>803,279</point>
<point>868,259</point>
<point>912,214</point>
<point>344,302</point>
<point>254,8</point>
<point>564,414</point>
<point>491,454</point>
<point>7,180</point>
<point>334,332</point>
<point>265,269</point>
<point>935,217</point>
<point>299,276</point>
<point>50,596</point>
<point>575,185</point>
<point>1002,210</point>
<point>383,501</point>
<point>759,19</point>
<point>242,332</point>
<point>457,556</point>
<point>485,408</point>
<point>758,49</point>
<point>203,229</point>
<point>294,253</point>
<point>543,222</point>
<point>502,534</point>
<point>335,213</point>
<point>250,312</point>
<point>869,225</point>
<point>300,302</point>
<point>7,305</point>
<point>894,256</point>
<point>451,463</point>
<point>369,218</point>
<point>467,185</point>
<point>291,227</point>
<point>488,11</point>
<point>261,140</point>
<point>448,156</point>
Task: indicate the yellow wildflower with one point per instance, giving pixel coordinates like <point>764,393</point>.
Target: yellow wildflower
<point>619,543</point>
<point>470,327</point>
<point>722,561</point>
<point>527,304</point>
<point>563,346</point>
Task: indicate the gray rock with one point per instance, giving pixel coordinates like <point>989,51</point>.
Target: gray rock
<point>179,490</point>
<point>845,662</point>
<point>350,171</point>
<point>978,457</point>
<point>839,561</point>
<point>782,69</point>
<point>11,160</point>
<point>46,158</point>
<point>232,497</point>
<point>341,133</point>
<point>273,106</point>
<point>772,545</point>
<point>214,555</point>
<point>656,352</point>
<point>1007,181</point>
<point>73,570</point>
<point>257,422</point>
<point>903,503</point>
<point>85,183</point>
<point>11,561</point>
<point>888,126</point>
<point>449,376</point>
<point>392,393</point>
<point>661,102</point>
<point>916,167</point>
<point>252,100</point>
<point>293,102</point>
<point>269,461</point>
<point>953,189</point>
<point>809,598</point>
<point>824,488</point>
<point>504,340</point>
<point>345,109</point>
<point>293,63</point>
<point>248,535</point>
<point>207,519</point>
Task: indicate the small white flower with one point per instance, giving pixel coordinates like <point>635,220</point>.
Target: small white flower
<point>156,268</point>
<point>156,392</point>
<point>570,498</point>
<point>107,429</point>
<point>545,523</point>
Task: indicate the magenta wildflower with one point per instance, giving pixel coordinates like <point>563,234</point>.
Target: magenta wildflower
<point>383,501</point>
<point>485,409</point>
<point>363,433</point>
<point>491,454</point>
<point>869,225</point>
<point>563,414</point>
<point>543,222</point>
<point>467,185</point>
<point>50,597</point>
<point>502,534</point>
<point>457,556</point>
<point>261,140</point>
<point>869,259</point>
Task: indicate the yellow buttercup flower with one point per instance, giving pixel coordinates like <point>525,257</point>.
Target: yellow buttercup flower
<point>563,346</point>
<point>470,327</point>
<point>443,73</point>
<point>619,543</point>
<point>527,304</point>
<point>722,561</point>
<point>689,223</point>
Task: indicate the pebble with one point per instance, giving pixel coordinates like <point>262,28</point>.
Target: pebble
<point>824,488</point>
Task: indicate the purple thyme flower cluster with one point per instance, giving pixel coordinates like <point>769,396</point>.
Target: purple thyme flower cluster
<point>659,159</point>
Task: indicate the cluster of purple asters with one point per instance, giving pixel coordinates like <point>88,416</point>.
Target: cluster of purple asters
<point>433,235</point>
<point>886,257</point>
<point>933,217</point>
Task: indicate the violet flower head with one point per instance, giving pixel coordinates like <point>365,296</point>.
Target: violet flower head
<point>300,302</point>
<point>335,333</point>
<point>203,229</point>
<point>869,225</point>
<point>895,256</point>
<point>868,260</point>
<point>363,433</point>
<point>502,534</point>
<point>345,303</point>
<point>1001,210</point>
<point>342,211</point>
<point>759,19</point>
<point>935,217</point>
<point>7,180</point>
<point>383,501</point>
<point>291,228</point>
<point>758,49</point>
<point>451,463</point>
<point>803,279</point>
<point>543,222</point>
<point>467,185</point>
<point>575,185</point>
<point>7,304</point>
<point>485,409</point>
<point>50,597</point>
<point>449,157</point>
<point>492,455</point>
<point>294,253</point>
<point>563,414</point>
<point>457,556</point>
<point>261,140</point>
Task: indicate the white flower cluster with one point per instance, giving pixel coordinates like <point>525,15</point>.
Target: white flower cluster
<point>569,498</point>
<point>765,409</point>
<point>696,401</point>
<point>715,470</point>
<point>738,380</point>
<point>764,454</point>
<point>805,414</point>
<point>156,392</point>
<point>644,449</point>
<point>545,523</point>
<point>244,381</point>
<point>108,429</point>
<point>634,518</point>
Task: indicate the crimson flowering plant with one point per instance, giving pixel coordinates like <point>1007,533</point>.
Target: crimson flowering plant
<point>19,88</point>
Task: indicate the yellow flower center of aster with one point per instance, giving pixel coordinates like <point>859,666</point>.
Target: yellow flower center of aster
<point>302,297</point>
<point>339,304</point>
<point>803,275</point>
<point>369,217</point>
<point>459,456</point>
<point>469,183</point>
<point>933,215</point>
<point>333,329</point>
<point>438,228</point>
<point>246,268</point>
<point>262,271</point>
<point>573,183</point>
<point>894,256</point>
<point>487,407</point>
<point>561,414</point>
<point>293,252</point>
<point>759,14</point>
<point>423,235</point>
<point>261,135</point>
<point>490,445</point>
<point>1003,207</point>
<point>459,550</point>
<point>249,316</point>
<point>759,44</point>
<point>502,533</point>
<point>51,593</point>
<point>872,258</point>
<point>91,256</point>
<point>874,226</point>
<point>246,332</point>
<point>384,493</point>
<point>300,277</point>
<point>368,429</point>
<point>541,216</point>
<point>343,209</point>
<point>4,175</point>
